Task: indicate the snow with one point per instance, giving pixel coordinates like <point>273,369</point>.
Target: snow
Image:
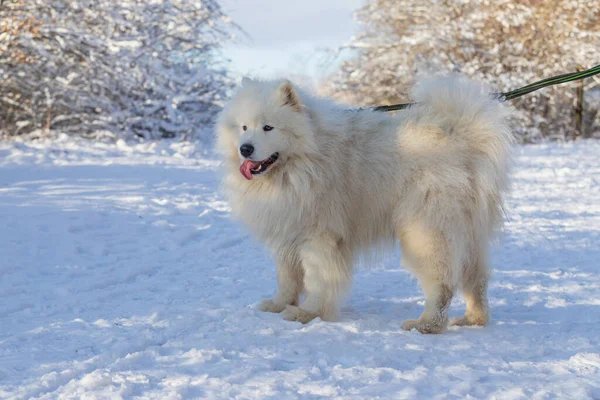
<point>122,276</point>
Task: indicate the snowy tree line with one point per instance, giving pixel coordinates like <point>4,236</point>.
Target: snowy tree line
<point>505,43</point>
<point>128,68</point>
<point>151,69</point>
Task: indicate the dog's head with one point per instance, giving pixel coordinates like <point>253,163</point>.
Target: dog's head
<point>263,126</point>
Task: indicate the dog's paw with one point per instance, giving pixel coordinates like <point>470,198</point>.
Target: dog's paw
<point>469,321</point>
<point>293,313</point>
<point>271,306</point>
<point>423,326</point>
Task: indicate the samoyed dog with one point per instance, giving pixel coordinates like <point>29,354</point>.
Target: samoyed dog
<point>321,185</point>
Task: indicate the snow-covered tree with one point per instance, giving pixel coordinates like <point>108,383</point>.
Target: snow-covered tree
<point>146,68</point>
<point>505,43</point>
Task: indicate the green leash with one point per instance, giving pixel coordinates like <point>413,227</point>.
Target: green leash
<point>513,94</point>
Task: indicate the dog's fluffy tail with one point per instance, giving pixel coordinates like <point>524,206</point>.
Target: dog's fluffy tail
<point>478,124</point>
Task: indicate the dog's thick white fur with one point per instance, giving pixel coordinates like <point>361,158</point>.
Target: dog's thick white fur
<point>344,182</point>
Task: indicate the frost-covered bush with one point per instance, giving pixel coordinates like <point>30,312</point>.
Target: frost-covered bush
<point>505,43</point>
<point>146,68</point>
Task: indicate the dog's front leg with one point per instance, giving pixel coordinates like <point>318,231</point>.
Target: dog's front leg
<point>326,263</point>
<point>289,286</point>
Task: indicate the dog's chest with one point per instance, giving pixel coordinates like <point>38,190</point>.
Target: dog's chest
<point>274,220</point>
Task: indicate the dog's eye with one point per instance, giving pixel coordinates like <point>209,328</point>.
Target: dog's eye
<point>267,128</point>
<point>244,127</point>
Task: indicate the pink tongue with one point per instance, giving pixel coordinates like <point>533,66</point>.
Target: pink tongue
<point>246,167</point>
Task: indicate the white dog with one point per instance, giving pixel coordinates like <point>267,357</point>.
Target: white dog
<point>321,185</point>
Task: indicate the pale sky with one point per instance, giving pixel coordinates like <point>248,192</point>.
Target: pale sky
<point>285,36</point>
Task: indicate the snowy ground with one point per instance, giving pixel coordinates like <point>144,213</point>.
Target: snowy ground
<point>121,275</point>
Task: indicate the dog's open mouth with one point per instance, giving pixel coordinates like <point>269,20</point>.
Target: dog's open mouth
<point>249,168</point>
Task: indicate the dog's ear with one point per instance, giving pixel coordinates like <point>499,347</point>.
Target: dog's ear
<point>288,95</point>
<point>246,81</point>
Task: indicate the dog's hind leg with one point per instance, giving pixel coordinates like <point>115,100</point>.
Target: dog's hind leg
<point>327,276</point>
<point>435,317</point>
<point>475,282</point>
<point>427,254</point>
<point>289,286</point>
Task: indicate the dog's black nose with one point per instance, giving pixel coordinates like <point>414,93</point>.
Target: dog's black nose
<point>246,150</point>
